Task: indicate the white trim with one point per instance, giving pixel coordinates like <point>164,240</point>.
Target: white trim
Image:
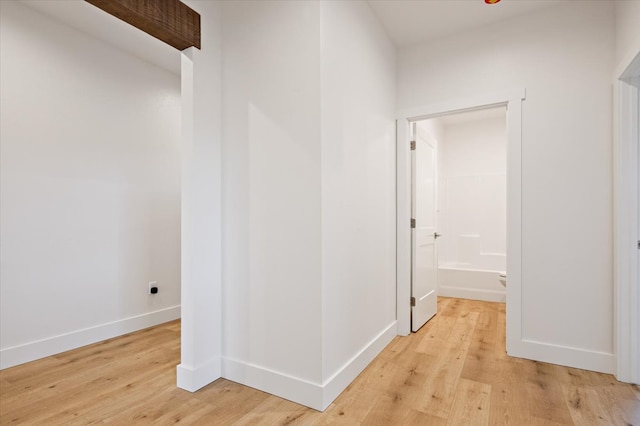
<point>514,224</point>
<point>461,105</point>
<point>513,99</point>
<point>301,391</point>
<point>31,351</point>
<point>201,214</point>
<point>472,293</point>
<point>403,230</point>
<point>192,379</point>
<point>274,382</point>
<point>563,355</point>
<point>334,385</point>
<point>626,233</point>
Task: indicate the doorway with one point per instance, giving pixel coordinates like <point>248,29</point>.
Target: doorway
<point>459,209</point>
<point>513,103</point>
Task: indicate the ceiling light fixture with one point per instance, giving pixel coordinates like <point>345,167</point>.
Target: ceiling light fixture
<point>491,1</point>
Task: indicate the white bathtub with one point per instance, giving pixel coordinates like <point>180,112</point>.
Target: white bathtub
<point>476,284</point>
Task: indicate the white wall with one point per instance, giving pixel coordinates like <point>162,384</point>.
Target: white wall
<point>358,187</point>
<point>563,56</point>
<point>472,192</point>
<point>90,189</point>
<point>271,193</point>
<point>308,196</point>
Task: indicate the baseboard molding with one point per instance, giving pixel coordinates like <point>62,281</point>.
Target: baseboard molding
<point>192,379</point>
<point>339,381</point>
<point>472,293</point>
<point>32,351</point>
<point>313,395</point>
<point>276,383</point>
<point>601,362</point>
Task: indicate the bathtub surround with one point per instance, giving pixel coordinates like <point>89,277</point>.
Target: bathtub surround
<point>472,211</point>
<point>473,284</point>
<point>472,203</point>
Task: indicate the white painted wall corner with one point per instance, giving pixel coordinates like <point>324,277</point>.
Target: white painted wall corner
<point>314,395</point>
<point>192,379</point>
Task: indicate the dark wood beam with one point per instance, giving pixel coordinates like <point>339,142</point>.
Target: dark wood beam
<point>171,21</point>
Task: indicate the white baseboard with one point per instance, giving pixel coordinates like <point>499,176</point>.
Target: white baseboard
<point>472,293</point>
<point>27,352</point>
<point>192,379</point>
<point>601,362</point>
<point>276,383</point>
<point>343,377</point>
<point>313,395</point>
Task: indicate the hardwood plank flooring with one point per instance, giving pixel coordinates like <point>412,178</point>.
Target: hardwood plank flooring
<point>453,371</point>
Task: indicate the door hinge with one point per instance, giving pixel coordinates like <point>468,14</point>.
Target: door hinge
<point>413,145</point>
<point>413,223</point>
<point>638,244</point>
<point>413,301</point>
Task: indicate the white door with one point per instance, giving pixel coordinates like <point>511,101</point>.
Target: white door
<point>424,269</point>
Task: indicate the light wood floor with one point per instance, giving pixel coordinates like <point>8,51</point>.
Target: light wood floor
<point>454,371</point>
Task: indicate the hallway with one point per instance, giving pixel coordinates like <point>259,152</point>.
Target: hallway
<point>452,371</point>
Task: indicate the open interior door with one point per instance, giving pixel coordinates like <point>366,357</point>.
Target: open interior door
<point>424,268</point>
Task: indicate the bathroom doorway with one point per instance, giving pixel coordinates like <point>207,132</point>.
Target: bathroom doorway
<point>511,105</point>
<point>471,202</point>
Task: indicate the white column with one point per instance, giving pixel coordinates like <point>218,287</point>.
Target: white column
<point>201,195</point>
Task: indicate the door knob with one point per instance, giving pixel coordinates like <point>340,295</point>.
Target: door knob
<point>436,235</point>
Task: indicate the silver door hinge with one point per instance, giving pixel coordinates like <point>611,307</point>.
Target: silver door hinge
<point>413,223</point>
<point>638,244</point>
<point>413,301</point>
<point>413,145</point>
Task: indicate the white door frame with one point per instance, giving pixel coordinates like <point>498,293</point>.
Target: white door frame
<point>513,101</point>
<point>626,211</point>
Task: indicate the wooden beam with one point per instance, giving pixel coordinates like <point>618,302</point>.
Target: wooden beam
<point>171,21</point>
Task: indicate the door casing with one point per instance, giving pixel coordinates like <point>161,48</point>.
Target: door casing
<point>626,227</point>
<point>513,101</point>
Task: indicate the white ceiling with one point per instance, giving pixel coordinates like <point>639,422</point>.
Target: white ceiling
<point>414,21</point>
<point>406,21</point>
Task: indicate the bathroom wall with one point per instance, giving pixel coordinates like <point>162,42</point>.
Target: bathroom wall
<point>472,191</point>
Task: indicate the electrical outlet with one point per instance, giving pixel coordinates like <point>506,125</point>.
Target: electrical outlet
<point>153,287</point>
